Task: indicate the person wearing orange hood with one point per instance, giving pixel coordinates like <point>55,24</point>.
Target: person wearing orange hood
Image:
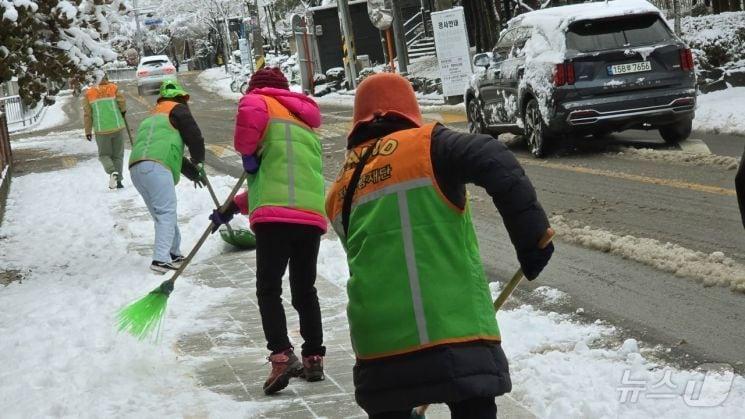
<point>421,319</point>
<point>275,135</point>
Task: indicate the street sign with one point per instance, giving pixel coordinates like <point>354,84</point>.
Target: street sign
<point>381,13</point>
<point>152,21</point>
<point>451,44</point>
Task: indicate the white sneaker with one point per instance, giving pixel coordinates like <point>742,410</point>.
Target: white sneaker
<point>162,267</point>
<point>113,179</point>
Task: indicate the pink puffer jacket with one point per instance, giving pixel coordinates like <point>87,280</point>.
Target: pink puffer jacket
<point>250,124</point>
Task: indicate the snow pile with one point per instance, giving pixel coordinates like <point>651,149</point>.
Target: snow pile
<point>52,116</point>
<point>216,81</point>
<point>721,111</point>
<point>694,159</point>
<point>551,295</point>
<point>75,243</point>
<point>711,269</point>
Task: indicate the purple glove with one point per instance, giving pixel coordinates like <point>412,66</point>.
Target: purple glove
<point>219,218</point>
<point>250,164</point>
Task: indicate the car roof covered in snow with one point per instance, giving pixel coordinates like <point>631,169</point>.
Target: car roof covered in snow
<point>584,11</point>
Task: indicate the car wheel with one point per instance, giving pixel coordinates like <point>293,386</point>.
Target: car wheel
<point>673,134</point>
<point>475,118</point>
<point>535,129</point>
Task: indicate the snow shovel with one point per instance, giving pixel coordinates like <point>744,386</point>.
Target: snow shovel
<point>145,315</point>
<point>243,238</point>
<point>418,412</point>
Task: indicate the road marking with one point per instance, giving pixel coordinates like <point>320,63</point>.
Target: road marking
<point>220,150</point>
<point>445,118</point>
<point>68,162</point>
<point>694,146</point>
<point>716,190</point>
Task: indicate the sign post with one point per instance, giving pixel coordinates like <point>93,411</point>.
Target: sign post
<point>451,44</point>
<point>381,16</point>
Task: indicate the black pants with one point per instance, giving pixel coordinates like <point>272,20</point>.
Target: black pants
<point>477,408</point>
<point>276,245</point>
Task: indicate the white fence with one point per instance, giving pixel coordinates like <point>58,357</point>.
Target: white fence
<point>19,115</point>
<point>122,73</point>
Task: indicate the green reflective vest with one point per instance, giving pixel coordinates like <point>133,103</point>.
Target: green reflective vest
<point>416,275</point>
<point>105,113</point>
<point>291,171</point>
<point>157,140</point>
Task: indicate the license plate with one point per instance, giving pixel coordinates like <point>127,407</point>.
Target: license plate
<point>629,68</point>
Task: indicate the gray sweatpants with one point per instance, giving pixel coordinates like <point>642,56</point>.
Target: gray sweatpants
<point>111,151</point>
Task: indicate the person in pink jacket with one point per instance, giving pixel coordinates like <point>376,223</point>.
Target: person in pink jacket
<point>274,133</point>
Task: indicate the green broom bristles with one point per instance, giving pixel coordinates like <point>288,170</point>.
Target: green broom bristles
<point>145,315</point>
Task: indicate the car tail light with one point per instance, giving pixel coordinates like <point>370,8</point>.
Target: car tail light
<point>686,59</point>
<point>564,74</point>
<point>142,73</point>
<point>169,70</point>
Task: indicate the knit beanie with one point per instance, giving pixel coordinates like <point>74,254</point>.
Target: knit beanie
<point>268,77</point>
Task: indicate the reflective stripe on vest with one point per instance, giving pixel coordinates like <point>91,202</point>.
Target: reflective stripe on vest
<point>417,279</point>
<point>157,140</point>
<point>291,170</point>
<point>107,117</point>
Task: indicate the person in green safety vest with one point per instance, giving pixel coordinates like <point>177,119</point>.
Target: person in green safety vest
<point>421,318</point>
<point>104,107</point>
<point>156,163</point>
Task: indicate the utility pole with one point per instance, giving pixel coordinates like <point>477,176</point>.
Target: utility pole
<point>350,55</point>
<point>400,35</point>
<point>676,13</point>
<point>138,35</point>
<point>225,47</point>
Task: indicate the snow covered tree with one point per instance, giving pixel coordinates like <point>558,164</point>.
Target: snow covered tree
<point>43,41</point>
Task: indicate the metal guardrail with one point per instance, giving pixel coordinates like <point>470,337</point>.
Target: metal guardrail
<point>122,73</point>
<point>16,113</point>
<point>6,157</point>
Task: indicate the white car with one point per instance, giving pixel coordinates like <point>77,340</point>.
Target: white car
<point>152,71</point>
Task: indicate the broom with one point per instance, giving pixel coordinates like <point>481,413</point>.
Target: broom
<point>419,411</point>
<point>145,315</point>
<point>242,238</point>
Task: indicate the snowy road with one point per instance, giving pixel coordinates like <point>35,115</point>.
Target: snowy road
<point>620,269</point>
<point>666,195</point>
<point>658,194</point>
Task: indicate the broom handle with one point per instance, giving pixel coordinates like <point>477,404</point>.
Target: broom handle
<point>217,203</point>
<point>208,231</point>
<point>515,281</point>
<point>129,133</point>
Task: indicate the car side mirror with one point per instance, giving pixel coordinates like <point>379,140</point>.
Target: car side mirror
<point>482,60</point>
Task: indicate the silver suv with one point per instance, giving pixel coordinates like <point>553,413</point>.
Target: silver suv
<point>585,69</point>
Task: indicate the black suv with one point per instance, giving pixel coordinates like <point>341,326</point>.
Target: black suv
<point>586,69</point>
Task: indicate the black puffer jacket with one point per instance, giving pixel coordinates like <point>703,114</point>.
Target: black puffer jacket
<point>451,373</point>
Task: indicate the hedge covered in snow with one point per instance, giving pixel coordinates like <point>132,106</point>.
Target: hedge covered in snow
<point>717,42</point>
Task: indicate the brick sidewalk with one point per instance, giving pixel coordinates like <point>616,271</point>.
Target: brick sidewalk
<point>236,348</point>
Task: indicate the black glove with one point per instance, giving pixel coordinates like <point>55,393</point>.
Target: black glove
<point>191,172</point>
<point>89,137</point>
<point>534,260</point>
<point>219,217</point>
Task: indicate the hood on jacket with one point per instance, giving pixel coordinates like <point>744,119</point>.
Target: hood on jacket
<point>300,105</point>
